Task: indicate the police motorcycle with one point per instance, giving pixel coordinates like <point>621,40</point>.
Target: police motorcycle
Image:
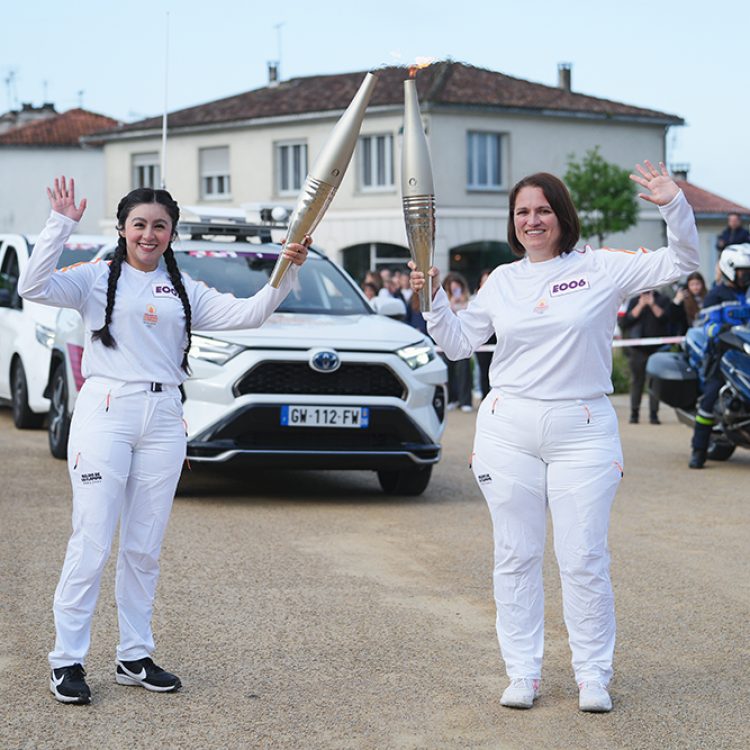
<point>679,378</point>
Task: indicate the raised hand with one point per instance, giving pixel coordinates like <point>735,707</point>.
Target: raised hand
<point>661,186</point>
<point>62,199</point>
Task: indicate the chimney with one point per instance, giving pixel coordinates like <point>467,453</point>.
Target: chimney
<point>563,75</point>
<point>680,171</point>
<point>273,73</point>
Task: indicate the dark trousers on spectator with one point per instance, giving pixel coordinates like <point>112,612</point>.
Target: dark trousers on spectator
<point>459,382</point>
<point>483,361</point>
<point>637,358</point>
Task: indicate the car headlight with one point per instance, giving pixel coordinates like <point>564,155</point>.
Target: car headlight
<point>417,355</point>
<point>213,350</point>
<point>45,335</point>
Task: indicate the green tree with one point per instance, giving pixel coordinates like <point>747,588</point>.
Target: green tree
<point>604,195</point>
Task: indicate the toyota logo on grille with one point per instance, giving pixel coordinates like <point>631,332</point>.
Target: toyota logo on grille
<point>325,360</point>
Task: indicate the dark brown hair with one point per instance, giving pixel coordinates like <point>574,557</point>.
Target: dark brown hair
<point>561,204</point>
<point>689,303</point>
<point>452,276</point>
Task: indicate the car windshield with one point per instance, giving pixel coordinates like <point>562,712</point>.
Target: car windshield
<point>77,252</point>
<point>321,287</point>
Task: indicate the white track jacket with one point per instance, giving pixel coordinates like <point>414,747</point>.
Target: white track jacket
<point>148,322</point>
<point>554,319</point>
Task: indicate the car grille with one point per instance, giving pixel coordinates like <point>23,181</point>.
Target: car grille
<point>297,378</point>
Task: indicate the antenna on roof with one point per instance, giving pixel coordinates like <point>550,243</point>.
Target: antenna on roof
<point>163,169</point>
<point>10,82</point>
<point>278,43</point>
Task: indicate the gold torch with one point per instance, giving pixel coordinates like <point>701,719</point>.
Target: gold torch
<point>417,190</point>
<point>326,174</point>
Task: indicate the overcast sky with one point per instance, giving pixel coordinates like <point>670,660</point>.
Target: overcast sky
<point>687,58</point>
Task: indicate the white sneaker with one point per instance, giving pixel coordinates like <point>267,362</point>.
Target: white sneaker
<point>521,693</point>
<point>466,408</point>
<point>451,406</point>
<point>593,697</point>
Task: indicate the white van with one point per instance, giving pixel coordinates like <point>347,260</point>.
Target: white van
<point>27,329</point>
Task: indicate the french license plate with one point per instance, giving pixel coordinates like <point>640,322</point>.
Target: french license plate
<point>325,416</point>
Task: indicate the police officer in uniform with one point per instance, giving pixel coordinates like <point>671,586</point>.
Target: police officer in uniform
<point>724,306</point>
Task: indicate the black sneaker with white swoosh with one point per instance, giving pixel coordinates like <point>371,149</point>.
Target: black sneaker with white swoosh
<point>68,685</point>
<point>145,673</point>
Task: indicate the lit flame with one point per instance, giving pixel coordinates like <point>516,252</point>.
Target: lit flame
<point>421,62</point>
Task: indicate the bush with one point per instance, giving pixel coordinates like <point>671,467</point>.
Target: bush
<point>620,371</point>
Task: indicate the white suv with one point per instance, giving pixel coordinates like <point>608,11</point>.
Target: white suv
<point>325,383</point>
<point>27,328</point>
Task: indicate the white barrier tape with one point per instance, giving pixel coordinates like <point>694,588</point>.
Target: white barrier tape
<point>616,343</point>
<point>653,341</point>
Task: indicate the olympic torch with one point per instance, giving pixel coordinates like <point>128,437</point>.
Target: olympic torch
<point>417,191</point>
<point>326,174</point>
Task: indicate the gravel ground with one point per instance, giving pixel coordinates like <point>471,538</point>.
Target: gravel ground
<point>307,610</point>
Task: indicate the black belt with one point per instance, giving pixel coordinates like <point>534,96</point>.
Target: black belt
<point>156,387</point>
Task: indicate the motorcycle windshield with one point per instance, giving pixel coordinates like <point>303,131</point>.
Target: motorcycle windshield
<point>695,345</point>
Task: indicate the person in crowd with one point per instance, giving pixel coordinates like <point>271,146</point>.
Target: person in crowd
<point>547,434</point>
<point>718,277</point>
<point>646,316</point>
<point>373,277</point>
<point>725,305</point>
<point>686,304</point>
<point>370,290</point>
<point>127,439</point>
<point>404,286</point>
<point>485,358</point>
<point>392,290</point>
<point>734,233</point>
<point>459,371</point>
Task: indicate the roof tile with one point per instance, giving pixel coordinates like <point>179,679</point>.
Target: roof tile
<point>704,202</point>
<point>63,130</point>
<point>442,83</point>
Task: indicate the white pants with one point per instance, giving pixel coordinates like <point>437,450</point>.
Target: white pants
<point>566,454</point>
<point>125,456</point>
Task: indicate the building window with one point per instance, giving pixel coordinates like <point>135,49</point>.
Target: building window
<point>214,171</point>
<point>146,171</point>
<point>291,167</point>
<point>376,162</point>
<point>484,161</point>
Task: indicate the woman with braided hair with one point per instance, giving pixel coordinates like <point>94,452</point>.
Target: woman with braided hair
<point>127,439</point>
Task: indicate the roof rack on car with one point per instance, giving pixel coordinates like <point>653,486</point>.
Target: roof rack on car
<point>202,222</point>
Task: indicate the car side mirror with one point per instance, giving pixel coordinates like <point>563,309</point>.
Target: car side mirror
<point>390,307</point>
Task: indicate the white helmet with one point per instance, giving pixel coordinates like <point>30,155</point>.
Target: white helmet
<point>734,258</point>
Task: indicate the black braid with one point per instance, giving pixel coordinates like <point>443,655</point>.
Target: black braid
<point>103,334</point>
<point>126,205</point>
<point>176,278</point>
